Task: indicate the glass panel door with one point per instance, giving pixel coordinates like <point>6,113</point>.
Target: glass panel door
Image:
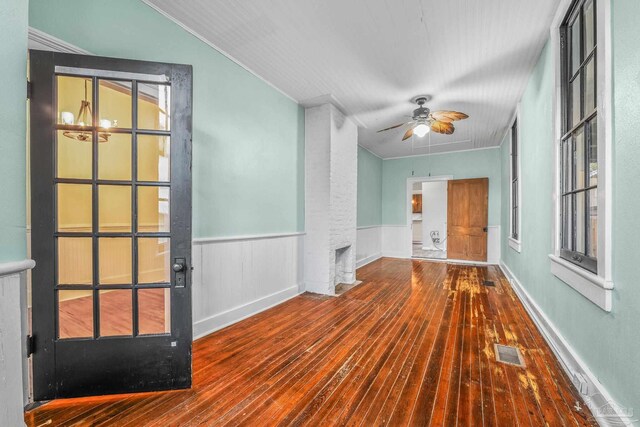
<point>114,283</point>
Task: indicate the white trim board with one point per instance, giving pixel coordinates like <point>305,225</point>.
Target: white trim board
<point>44,41</point>
<point>15,267</point>
<point>202,240</point>
<point>497,147</point>
<point>368,260</point>
<point>593,392</point>
<point>204,327</point>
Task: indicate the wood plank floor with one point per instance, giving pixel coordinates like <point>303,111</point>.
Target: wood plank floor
<point>412,345</point>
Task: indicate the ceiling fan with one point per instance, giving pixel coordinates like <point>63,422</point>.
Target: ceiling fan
<point>424,120</point>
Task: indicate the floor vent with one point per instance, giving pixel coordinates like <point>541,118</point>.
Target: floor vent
<point>510,355</point>
<point>489,283</point>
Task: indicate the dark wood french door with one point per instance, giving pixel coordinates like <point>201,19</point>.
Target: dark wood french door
<point>467,217</point>
<point>111,225</point>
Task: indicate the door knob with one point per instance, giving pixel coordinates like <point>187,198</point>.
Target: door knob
<point>178,267</point>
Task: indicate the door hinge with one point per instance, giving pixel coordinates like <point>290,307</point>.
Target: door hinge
<point>31,345</point>
<point>29,89</point>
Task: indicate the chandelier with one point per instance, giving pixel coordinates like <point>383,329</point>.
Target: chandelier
<point>84,120</point>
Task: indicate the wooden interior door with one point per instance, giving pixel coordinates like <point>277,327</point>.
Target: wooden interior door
<point>467,216</point>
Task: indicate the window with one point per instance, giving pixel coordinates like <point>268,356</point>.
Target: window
<point>581,39</point>
<point>515,189</point>
<point>579,143</point>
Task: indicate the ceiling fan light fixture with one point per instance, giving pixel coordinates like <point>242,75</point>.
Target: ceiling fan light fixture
<point>421,130</point>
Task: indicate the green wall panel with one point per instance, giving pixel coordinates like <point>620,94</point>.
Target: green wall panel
<point>13,107</point>
<point>369,188</point>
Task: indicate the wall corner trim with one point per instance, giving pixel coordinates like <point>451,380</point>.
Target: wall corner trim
<point>16,267</point>
<point>592,391</point>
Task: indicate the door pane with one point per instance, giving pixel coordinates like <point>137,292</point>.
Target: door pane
<point>115,104</point>
<point>575,45</point>
<point>74,207</point>
<point>567,165</point>
<point>154,260</point>
<point>74,158</point>
<point>576,114</point>
<point>154,103</point>
<point>593,152</point>
<point>592,243</point>
<point>75,261</point>
<point>580,225</point>
<point>567,222</point>
<point>115,208</point>
<point>153,209</point>
<point>579,158</point>
<point>115,260</point>
<point>75,100</point>
<point>116,316</point>
<point>589,26</point>
<point>590,86</point>
<point>75,314</point>
<point>114,158</point>
<point>153,158</point>
<point>154,311</point>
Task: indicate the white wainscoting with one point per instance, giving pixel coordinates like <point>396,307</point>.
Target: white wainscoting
<point>493,244</point>
<point>234,278</point>
<point>368,245</point>
<point>397,242</point>
<point>14,390</point>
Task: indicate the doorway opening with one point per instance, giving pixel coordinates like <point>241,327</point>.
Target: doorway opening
<point>448,218</point>
<point>429,217</point>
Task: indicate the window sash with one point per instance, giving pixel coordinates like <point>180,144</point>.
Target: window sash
<point>515,174</point>
<point>576,187</point>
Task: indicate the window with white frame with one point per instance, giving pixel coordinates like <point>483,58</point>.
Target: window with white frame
<point>515,182</point>
<point>581,38</point>
<point>579,145</point>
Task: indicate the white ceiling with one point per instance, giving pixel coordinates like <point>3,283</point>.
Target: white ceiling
<point>372,56</point>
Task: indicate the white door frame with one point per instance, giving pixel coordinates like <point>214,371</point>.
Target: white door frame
<point>410,182</point>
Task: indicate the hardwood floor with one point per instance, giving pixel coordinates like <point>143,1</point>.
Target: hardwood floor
<point>412,345</point>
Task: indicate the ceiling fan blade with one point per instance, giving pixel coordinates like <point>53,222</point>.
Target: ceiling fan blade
<point>448,116</point>
<point>392,127</point>
<point>442,127</point>
<point>408,134</point>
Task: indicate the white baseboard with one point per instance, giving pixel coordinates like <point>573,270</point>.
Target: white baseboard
<point>605,410</point>
<point>364,261</point>
<point>218,321</point>
<point>395,254</point>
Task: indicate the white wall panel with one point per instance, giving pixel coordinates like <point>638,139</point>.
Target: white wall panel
<point>368,245</point>
<point>235,279</point>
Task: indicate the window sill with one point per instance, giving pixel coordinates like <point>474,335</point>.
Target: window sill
<point>593,287</point>
<point>515,244</point>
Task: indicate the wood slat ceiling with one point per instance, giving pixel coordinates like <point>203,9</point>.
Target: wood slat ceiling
<point>373,56</point>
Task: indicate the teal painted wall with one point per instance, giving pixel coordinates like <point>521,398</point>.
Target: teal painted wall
<point>13,107</point>
<point>607,342</point>
<point>464,164</point>
<point>248,138</point>
<point>369,188</point>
